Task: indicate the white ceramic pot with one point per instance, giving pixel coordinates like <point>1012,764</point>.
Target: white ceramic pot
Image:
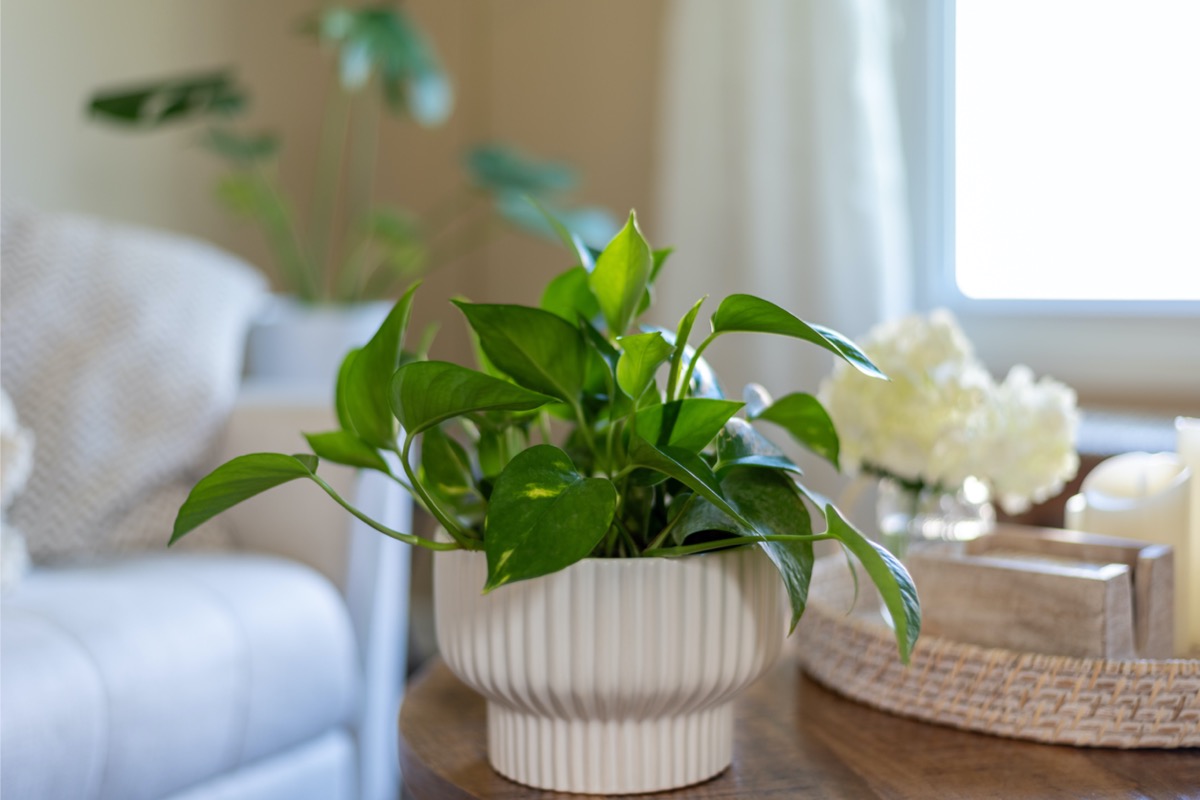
<point>303,344</point>
<point>614,676</point>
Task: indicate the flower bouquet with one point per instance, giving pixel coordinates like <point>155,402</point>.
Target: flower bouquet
<point>943,436</point>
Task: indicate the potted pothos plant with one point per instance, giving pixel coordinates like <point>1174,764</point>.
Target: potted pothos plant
<point>338,265</point>
<point>623,549</point>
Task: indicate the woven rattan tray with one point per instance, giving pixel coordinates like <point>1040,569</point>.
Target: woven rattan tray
<point>1075,701</point>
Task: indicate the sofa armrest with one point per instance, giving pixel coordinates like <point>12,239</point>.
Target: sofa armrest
<point>300,522</point>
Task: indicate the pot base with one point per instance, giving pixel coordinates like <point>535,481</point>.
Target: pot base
<point>610,756</point>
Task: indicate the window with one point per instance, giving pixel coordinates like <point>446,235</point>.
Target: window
<point>1054,165</point>
<point>1077,149</point>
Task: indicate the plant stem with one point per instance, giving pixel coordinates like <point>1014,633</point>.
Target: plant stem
<point>626,537</point>
<point>731,542</point>
<point>284,241</point>
<point>662,535</point>
<point>364,155</point>
<point>585,430</point>
<point>407,538</point>
<point>329,163</point>
<point>407,487</point>
<point>464,540</point>
<point>681,390</point>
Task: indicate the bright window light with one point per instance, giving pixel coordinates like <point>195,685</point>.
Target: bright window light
<point>1077,149</point>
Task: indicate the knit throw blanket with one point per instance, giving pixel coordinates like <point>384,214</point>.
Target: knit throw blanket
<point>122,351</point>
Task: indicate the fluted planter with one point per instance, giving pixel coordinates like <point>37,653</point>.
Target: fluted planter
<point>613,676</point>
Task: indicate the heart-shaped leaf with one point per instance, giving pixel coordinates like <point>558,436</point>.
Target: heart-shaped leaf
<point>889,576</point>
<point>540,350</point>
<point>569,297</point>
<point>427,393</point>
<point>740,445</point>
<point>749,314</point>
<point>235,481</point>
<point>641,356</point>
<point>688,424</point>
<point>768,499</point>
<point>544,516</point>
<point>369,371</point>
<point>343,447</point>
<point>803,416</point>
<point>621,275</point>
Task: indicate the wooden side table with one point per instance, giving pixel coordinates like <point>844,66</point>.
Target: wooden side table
<point>794,739</point>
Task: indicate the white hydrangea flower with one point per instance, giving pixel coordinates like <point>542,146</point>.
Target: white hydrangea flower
<point>942,418</point>
<point>916,425</point>
<point>1030,445</point>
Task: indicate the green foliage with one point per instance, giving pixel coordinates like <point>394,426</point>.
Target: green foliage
<point>368,410</point>
<point>650,464</point>
<point>621,276</point>
<point>351,247</point>
<point>155,103</point>
<point>385,42</point>
<point>803,416</point>
<point>544,516</point>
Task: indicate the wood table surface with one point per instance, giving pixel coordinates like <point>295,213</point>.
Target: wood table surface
<point>795,739</point>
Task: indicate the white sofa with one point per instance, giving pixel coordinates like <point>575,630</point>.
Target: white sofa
<point>271,669</point>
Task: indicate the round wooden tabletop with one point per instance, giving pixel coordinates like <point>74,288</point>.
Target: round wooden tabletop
<point>795,739</point>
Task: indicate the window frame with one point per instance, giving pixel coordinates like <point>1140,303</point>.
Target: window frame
<point>1003,330</point>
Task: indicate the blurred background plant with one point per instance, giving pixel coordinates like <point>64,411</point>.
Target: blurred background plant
<point>351,247</point>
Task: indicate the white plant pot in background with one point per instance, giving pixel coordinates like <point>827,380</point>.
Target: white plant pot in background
<point>613,676</point>
<point>303,344</point>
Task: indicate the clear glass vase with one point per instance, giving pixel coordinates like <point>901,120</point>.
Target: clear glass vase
<point>910,519</point>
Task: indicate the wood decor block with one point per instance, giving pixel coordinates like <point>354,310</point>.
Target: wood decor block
<point>1027,604</point>
<point>1152,567</point>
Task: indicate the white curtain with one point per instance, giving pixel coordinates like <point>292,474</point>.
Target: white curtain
<point>781,173</point>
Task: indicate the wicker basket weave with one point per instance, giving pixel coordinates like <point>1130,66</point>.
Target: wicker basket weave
<point>1077,701</point>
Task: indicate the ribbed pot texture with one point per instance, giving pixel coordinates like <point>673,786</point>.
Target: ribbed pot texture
<point>613,676</point>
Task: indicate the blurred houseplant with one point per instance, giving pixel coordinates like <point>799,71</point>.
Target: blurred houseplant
<point>353,250</point>
<point>943,437</point>
<point>570,473</point>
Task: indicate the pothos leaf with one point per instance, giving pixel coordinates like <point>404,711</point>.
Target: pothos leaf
<point>803,416</point>
<point>621,275</point>
<point>543,516</point>
<point>235,481</point>
<point>370,369</point>
<point>749,314</point>
<point>889,576</point>
<point>427,393</point>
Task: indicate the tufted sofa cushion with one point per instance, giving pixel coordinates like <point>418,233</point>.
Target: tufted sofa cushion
<point>140,677</point>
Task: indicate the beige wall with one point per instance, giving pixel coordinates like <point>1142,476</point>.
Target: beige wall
<point>568,80</point>
<point>51,55</point>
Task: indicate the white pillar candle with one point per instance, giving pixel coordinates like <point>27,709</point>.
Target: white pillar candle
<point>1144,496</point>
<point>1187,445</point>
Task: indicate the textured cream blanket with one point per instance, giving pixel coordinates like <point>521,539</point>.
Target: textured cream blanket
<point>121,350</point>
